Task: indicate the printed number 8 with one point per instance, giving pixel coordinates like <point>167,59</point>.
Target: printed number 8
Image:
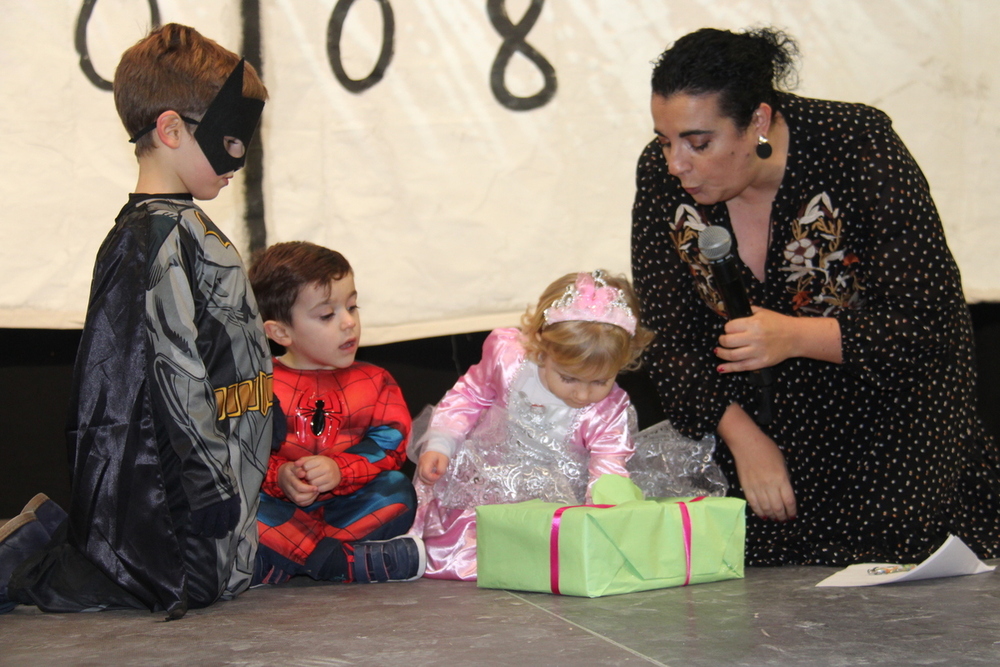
<point>514,36</point>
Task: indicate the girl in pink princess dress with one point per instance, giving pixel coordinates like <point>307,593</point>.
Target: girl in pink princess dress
<point>540,416</point>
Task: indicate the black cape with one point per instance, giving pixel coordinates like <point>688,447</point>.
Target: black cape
<point>120,518</point>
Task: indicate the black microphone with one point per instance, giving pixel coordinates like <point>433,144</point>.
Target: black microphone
<point>716,244</point>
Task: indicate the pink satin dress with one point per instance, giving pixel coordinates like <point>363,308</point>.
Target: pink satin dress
<point>510,440</point>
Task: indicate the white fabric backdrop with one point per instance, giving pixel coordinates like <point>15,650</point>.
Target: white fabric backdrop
<point>454,210</point>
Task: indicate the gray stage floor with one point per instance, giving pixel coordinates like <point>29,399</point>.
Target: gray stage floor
<point>773,617</point>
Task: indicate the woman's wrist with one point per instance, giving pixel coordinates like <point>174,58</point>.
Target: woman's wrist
<point>734,427</point>
<point>817,338</point>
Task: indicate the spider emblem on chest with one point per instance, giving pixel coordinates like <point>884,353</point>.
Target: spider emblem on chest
<point>316,417</point>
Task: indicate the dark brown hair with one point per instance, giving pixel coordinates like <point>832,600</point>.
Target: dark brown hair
<point>744,68</point>
<point>279,272</point>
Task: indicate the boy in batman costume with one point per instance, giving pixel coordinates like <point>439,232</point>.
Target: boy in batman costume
<point>169,427</point>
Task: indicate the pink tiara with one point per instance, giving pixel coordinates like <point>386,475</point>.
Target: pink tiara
<point>591,299</point>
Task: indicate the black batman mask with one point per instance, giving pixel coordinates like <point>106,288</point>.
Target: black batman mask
<point>229,116</point>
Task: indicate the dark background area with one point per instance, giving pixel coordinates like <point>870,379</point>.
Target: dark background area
<point>36,368</point>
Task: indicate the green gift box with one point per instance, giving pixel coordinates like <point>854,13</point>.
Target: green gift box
<point>620,544</point>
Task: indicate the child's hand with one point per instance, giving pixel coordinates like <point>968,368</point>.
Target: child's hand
<point>431,466</point>
<point>320,471</point>
<point>292,480</point>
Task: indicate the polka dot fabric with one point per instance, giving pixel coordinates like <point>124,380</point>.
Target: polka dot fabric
<point>885,452</point>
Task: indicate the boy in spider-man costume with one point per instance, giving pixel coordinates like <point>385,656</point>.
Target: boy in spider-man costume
<point>334,504</point>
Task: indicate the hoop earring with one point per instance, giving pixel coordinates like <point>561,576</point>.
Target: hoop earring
<point>763,149</point>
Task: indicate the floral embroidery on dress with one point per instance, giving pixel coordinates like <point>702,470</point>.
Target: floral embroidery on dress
<point>688,223</point>
<point>821,273</point>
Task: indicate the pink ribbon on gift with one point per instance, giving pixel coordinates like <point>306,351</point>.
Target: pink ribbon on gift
<point>686,521</point>
<point>554,544</point>
<point>554,541</point>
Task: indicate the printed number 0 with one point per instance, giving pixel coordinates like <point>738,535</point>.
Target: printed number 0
<point>514,36</point>
<point>86,9</point>
<point>336,29</point>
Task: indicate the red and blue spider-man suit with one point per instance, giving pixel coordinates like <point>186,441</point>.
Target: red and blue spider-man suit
<point>357,417</point>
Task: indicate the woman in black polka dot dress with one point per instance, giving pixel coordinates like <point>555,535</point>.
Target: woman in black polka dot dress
<point>873,451</point>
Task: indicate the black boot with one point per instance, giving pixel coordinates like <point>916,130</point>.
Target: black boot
<point>19,538</point>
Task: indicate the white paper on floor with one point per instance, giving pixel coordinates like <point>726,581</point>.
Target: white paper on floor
<point>952,559</point>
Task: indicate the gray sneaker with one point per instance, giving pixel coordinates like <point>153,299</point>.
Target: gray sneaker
<point>402,558</point>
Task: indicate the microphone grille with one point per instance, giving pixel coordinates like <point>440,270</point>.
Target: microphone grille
<point>714,242</point>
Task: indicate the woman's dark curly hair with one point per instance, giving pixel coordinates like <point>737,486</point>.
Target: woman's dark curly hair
<point>745,68</point>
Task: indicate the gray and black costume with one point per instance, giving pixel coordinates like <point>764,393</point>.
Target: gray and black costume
<point>169,416</point>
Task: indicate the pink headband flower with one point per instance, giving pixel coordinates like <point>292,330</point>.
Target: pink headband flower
<point>591,299</point>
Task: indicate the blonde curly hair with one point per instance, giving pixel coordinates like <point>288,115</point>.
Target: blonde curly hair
<point>581,346</point>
